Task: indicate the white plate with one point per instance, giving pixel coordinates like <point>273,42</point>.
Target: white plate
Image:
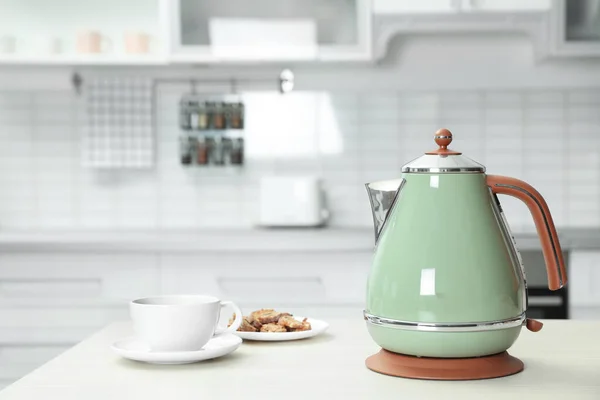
<point>317,327</point>
<point>132,349</point>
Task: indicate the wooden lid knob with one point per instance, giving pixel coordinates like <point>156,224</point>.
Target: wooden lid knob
<point>443,138</point>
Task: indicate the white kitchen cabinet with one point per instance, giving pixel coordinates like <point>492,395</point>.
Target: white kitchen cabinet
<point>205,31</point>
<point>270,279</point>
<point>40,32</point>
<point>584,279</point>
<point>584,313</point>
<point>450,7</point>
<point>574,29</point>
<point>505,5</point>
<point>43,295</point>
<point>415,7</point>
<point>51,301</point>
<point>18,360</point>
<point>394,18</point>
<point>79,277</point>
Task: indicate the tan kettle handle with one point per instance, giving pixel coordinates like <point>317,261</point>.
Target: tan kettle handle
<point>555,264</point>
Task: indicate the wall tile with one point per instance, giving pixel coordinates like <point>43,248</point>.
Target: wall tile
<point>17,219</point>
<point>12,204</point>
<point>502,98</point>
<point>137,220</point>
<point>466,97</point>
<point>98,220</point>
<point>15,99</point>
<point>552,114</point>
<point>503,145</point>
<point>586,112</point>
<point>52,116</point>
<point>454,113</point>
<point>583,96</point>
<point>15,116</point>
<point>15,132</point>
<point>545,97</point>
<point>544,160</point>
<point>508,115</point>
<point>16,149</point>
<point>584,177</point>
<point>581,193</point>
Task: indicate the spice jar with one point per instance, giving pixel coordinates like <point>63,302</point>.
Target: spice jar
<point>185,150</point>
<point>236,155</point>
<point>203,114</point>
<point>216,152</point>
<point>235,116</point>
<point>193,109</point>
<point>218,116</point>
<point>210,148</point>
<point>184,114</point>
<point>201,152</point>
<point>227,144</point>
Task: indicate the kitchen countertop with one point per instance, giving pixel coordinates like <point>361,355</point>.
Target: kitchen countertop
<point>323,239</point>
<point>561,361</point>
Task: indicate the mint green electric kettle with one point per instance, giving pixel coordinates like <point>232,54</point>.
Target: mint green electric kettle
<point>447,280</point>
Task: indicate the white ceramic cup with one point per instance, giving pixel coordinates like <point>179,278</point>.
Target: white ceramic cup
<point>180,322</point>
<point>93,42</point>
<point>8,44</point>
<point>137,42</point>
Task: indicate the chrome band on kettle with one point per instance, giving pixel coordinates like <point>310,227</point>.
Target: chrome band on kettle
<point>445,327</point>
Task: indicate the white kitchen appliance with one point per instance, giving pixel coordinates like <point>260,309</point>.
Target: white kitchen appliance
<point>264,38</point>
<point>292,201</point>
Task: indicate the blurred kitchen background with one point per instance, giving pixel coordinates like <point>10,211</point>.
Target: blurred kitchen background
<point>203,146</point>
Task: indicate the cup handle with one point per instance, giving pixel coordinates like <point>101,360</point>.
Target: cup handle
<point>105,44</point>
<point>236,323</point>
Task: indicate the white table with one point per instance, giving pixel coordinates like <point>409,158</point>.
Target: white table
<point>561,361</point>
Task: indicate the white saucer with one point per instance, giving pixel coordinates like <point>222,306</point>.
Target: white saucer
<point>131,348</point>
<point>317,327</point>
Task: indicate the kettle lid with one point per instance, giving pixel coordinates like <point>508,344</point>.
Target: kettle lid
<point>443,159</point>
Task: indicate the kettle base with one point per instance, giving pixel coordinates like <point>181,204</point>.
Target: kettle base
<point>449,369</point>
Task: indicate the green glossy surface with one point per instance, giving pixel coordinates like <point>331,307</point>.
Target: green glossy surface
<point>445,223</point>
<point>444,344</point>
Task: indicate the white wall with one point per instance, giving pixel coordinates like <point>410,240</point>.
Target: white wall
<point>351,124</point>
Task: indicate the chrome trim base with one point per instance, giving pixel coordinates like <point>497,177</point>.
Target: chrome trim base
<point>445,327</point>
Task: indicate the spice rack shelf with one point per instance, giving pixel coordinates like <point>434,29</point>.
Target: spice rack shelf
<point>211,131</point>
<point>72,60</point>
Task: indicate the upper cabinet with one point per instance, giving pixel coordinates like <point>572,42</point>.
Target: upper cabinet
<point>113,32</point>
<point>505,5</point>
<point>404,17</point>
<point>167,32</point>
<point>209,31</point>
<point>382,7</point>
<point>457,6</point>
<point>575,28</point>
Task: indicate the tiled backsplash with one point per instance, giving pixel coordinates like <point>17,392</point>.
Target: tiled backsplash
<point>547,138</point>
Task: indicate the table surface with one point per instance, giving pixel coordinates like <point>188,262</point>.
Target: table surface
<point>561,360</point>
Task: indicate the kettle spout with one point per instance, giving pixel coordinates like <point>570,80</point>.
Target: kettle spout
<point>383,195</point>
